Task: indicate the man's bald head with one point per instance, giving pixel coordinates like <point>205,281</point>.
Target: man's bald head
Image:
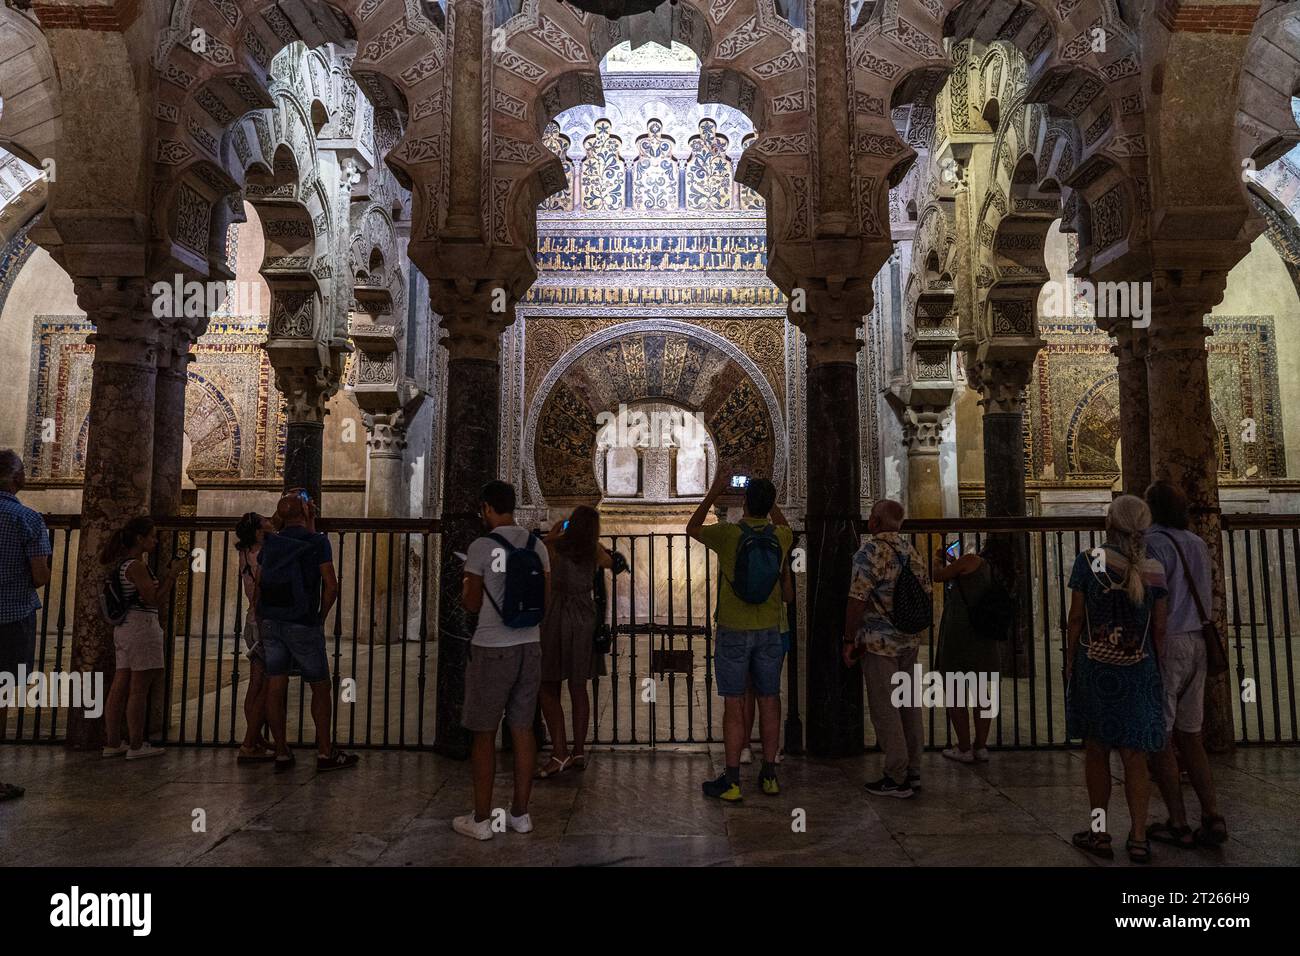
<point>888,514</point>
<point>291,510</point>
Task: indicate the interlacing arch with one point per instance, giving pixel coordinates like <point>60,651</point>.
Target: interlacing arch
<point>547,60</point>
<point>1081,60</point>
<point>29,120</point>
<point>214,66</point>
<point>1268,127</point>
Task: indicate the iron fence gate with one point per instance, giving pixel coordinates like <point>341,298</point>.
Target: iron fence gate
<point>658,682</point>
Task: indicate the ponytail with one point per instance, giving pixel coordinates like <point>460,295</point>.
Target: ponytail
<point>124,539</point>
<point>1127,520</point>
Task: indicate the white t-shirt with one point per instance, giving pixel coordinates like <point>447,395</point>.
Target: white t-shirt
<point>481,559</point>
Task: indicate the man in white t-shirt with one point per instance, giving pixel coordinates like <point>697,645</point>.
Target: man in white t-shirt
<point>505,664</point>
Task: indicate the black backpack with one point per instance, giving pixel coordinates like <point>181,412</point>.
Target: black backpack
<point>994,615</point>
<point>758,564</point>
<point>911,610</point>
<point>282,592</point>
<point>113,604</point>
<point>524,602</point>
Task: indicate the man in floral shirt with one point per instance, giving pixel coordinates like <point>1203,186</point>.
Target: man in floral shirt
<point>869,635</point>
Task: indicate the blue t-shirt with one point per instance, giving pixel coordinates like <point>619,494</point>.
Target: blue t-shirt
<point>317,552</point>
<point>1183,616</point>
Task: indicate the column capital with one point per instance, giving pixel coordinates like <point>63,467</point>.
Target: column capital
<point>307,390</point>
<point>174,343</point>
<point>387,438</point>
<point>831,337</point>
<point>1131,344</point>
<point>126,332</point>
<point>923,428</point>
<point>1002,383</point>
<point>476,334</point>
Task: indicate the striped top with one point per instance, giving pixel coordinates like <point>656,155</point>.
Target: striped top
<point>131,592</point>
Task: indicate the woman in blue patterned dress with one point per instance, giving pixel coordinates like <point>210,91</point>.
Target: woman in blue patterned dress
<point>1113,691</point>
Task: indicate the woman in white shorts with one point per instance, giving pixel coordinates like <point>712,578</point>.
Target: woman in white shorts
<point>138,640</point>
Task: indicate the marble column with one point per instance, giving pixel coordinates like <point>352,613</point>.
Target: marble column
<point>465,184</point>
<point>118,470</point>
<point>922,432</point>
<point>1002,384</point>
<point>1130,351</point>
<point>169,422</point>
<point>385,444</point>
<point>470,461</point>
<point>307,391</point>
<point>1184,438</point>
<point>834,712</point>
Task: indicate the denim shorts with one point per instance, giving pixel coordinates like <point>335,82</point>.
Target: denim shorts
<point>742,658</point>
<point>286,644</point>
<point>18,644</point>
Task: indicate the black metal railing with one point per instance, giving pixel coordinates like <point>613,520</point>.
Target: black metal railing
<point>658,685</point>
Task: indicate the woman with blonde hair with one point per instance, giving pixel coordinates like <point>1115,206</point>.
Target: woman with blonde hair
<point>1114,699</point>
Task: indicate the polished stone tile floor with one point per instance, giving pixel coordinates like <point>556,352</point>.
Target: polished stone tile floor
<point>629,808</point>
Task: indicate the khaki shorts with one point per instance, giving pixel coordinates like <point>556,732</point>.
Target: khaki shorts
<point>501,680</point>
<point>138,642</point>
<point>1182,671</point>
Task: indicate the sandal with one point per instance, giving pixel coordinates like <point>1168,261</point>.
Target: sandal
<point>1213,831</point>
<point>1173,835</point>
<point>255,756</point>
<point>579,762</point>
<point>283,764</point>
<point>1139,851</point>
<point>1098,844</point>
<point>544,773</point>
<point>10,791</point>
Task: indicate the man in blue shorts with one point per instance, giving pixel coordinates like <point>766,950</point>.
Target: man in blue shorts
<point>747,646</point>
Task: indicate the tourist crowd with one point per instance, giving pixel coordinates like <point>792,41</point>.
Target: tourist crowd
<point>1140,643</point>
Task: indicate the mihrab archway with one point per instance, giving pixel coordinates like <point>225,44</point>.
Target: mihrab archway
<point>663,361</point>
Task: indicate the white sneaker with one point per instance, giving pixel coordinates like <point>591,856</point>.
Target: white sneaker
<point>982,754</point>
<point>959,755</point>
<point>521,824</point>
<point>746,756</point>
<point>475,829</point>
<point>146,750</point>
<point>115,751</point>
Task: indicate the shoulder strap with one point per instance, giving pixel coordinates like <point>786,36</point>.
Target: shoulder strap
<point>501,540</point>
<point>1187,576</point>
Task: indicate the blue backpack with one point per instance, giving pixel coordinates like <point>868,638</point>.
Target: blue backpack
<point>524,602</point>
<point>758,564</point>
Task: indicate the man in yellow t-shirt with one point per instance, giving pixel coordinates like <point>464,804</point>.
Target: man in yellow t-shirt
<point>747,646</point>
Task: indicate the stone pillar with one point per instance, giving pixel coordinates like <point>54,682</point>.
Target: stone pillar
<point>835,727</point>
<point>1184,438</point>
<point>385,443</point>
<point>472,426</point>
<point>1002,384</point>
<point>834,119</point>
<point>922,432</point>
<point>1130,351</point>
<point>169,422</point>
<point>118,471</point>
<point>307,391</point>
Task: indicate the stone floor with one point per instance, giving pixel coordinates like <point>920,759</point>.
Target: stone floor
<point>628,808</point>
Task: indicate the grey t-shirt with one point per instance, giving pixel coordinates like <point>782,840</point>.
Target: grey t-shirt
<point>482,559</point>
<point>1183,617</point>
